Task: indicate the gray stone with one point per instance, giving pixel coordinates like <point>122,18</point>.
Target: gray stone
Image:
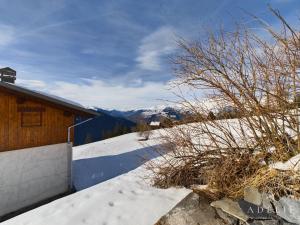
<point>265,222</point>
<point>251,194</point>
<point>230,207</point>
<point>254,211</point>
<point>288,209</point>
<point>266,202</point>
<point>226,217</point>
<point>287,223</point>
<point>192,210</point>
<point>271,222</point>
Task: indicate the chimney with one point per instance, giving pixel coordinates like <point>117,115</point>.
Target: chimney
<point>8,75</point>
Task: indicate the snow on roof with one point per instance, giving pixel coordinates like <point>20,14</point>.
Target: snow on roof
<point>47,97</point>
<point>59,98</point>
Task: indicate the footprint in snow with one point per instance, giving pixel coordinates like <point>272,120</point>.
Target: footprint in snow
<point>111,204</point>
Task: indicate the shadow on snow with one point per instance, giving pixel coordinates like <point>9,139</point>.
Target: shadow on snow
<point>92,171</point>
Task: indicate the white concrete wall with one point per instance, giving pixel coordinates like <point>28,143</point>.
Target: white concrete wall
<point>30,175</point>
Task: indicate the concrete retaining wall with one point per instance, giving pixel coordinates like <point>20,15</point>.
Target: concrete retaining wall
<point>30,175</point>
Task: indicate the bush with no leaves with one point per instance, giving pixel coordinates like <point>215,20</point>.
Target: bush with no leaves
<point>257,78</point>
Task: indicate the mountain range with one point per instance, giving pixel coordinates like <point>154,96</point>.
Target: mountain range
<point>101,127</point>
<point>146,115</point>
<point>116,122</point>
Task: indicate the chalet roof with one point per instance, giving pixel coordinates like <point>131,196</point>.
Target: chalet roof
<point>7,69</point>
<point>49,98</point>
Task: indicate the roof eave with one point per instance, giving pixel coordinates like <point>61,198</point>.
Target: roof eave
<point>48,98</point>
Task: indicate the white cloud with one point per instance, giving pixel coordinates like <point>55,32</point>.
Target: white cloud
<point>32,84</point>
<point>7,35</point>
<point>99,93</point>
<point>153,47</point>
<point>105,95</point>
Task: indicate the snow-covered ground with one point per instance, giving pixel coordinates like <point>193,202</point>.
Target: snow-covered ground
<point>100,161</point>
<point>291,164</point>
<point>111,173</point>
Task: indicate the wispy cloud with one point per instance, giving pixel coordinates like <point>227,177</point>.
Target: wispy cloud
<point>154,46</point>
<point>121,45</point>
<point>7,34</point>
<point>32,84</point>
<point>103,94</point>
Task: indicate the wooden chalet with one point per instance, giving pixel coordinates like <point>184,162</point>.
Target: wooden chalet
<point>30,118</point>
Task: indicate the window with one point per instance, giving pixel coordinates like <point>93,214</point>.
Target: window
<point>31,116</point>
<point>31,119</point>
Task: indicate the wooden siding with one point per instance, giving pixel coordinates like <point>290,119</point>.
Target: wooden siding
<point>52,130</point>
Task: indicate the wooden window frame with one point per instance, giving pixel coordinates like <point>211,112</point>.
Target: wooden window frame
<point>24,110</point>
<point>34,125</point>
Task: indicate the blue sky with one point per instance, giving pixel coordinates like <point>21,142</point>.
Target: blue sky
<point>112,54</point>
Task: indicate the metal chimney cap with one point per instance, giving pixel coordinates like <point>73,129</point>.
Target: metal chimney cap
<point>8,75</point>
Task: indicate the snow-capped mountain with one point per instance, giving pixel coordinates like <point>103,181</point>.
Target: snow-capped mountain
<point>147,115</point>
<point>173,112</point>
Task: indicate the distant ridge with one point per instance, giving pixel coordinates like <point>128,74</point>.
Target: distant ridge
<point>101,127</point>
<point>146,115</point>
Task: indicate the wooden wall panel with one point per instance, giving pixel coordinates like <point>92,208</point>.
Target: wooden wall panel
<point>53,129</point>
<point>4,121</point>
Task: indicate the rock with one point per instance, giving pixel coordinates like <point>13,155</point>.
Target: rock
<point>287,223</point>
<point>288,209</point>
<point>251,194</point>
<point>197,209</point>
<point>291,164</point>
<point>266,202</point>
<point>266,222</point>
<point>254,211</point>
<point>203,190</point>
<point>230,207</point>
<point>226,217</point>
<point>192,210</point>
<point>271,222</point>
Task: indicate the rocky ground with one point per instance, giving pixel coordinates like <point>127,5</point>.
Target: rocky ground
<point>255,209</point>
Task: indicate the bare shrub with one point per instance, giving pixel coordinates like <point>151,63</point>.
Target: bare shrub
<point>251,84</point>
<point>271,181</point>
<point>144,131</point>
<point>232,172</point>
